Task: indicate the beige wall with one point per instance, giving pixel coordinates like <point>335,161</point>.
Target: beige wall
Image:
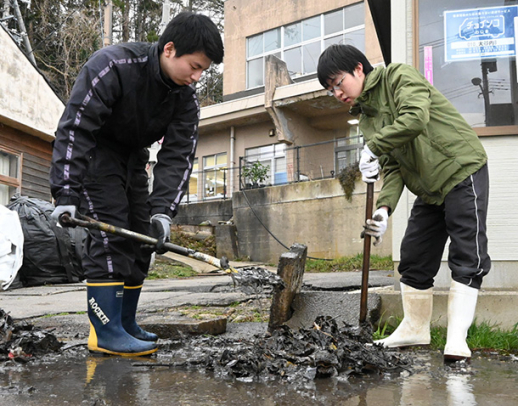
<point>315,214</point>
<point>27,102</point>
<point>244,18</point>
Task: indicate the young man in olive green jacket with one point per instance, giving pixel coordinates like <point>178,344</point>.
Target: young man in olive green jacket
<point>422,142</point>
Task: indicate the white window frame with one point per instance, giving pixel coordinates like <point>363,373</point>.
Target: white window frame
<point>14,182</point>
<point>212,168</point>
<point>322,38</point>
<point>254,155</point>
<point>352,143</point>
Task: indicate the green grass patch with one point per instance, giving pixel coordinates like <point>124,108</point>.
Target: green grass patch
<point>46,316</point>
<point>350,263</point>
<point>483,336</point>
<point>164,268</point>
<point>206,246</point>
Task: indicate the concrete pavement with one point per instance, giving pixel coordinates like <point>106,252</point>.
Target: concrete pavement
<point>334,294</point>
<point>63,307</point>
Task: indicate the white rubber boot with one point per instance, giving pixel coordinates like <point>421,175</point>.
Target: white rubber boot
<point>415,327</point>
<point>462,301</point>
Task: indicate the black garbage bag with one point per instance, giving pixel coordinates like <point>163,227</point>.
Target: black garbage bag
<point>51,254</point>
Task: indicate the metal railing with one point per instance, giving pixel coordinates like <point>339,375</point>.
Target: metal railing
<point>317,161</point>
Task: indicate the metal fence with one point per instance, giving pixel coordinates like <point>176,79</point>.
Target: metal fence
<point>279,166</point>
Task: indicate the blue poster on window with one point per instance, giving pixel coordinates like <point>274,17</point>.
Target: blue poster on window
<point>480,33</point>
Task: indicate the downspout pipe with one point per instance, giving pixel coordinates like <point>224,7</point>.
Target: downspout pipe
<point>232,165</point>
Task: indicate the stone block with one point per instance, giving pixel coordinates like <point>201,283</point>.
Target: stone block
<point>342,306</point>
<point>175,328</point>
<point>226,241</point>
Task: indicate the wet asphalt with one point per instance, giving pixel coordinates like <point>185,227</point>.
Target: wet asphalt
<point>75,377</point>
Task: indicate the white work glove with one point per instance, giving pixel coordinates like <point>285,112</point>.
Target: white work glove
<point>160,229</point>
<point>377,226</point>
<point>369,166</point>
<point>70,209</point>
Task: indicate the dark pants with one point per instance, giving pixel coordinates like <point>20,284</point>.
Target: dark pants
<point>115,192</point>
<point>462,217</point>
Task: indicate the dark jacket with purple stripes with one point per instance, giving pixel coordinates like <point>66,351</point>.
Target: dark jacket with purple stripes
<point>121,99</point>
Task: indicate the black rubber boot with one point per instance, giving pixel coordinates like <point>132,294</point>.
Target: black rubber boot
<point>106,332</point>
<point>129,311</point>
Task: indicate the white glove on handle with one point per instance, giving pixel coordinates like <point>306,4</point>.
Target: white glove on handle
<point>161,230</point>
<point>369,166</point>
<point>59,210</point>
<point>377,226</point>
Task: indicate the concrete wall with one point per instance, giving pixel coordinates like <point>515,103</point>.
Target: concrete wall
<point>244,18</point>
<point>196,213</point>
<point>27,102</point>
<point>313,213</point>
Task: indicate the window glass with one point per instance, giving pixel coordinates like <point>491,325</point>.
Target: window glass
<point>354,15</point>
<point>221,159</point>
<point>8,164</point>
<point>274,158</point>
<point>469,49</point>
<point>292,59</point>
<point>209,161</point>
<point>9,168</point>
<point>292,34</point>
<point>333,22</point>
<point>255,45</point>
<point>311,28</point>
<point>347,150</point>
<point>6,192</point>
<point>311,53</point>
<point>255,72</point>
<point>272,40</point>
<point>214,175</point>
<point>338,39</point>
<point>193,182</point>
<point>266,151</point>
<point>355,38</point>
<point>286,42</point>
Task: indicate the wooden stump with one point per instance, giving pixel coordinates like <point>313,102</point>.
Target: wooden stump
<point>291,270</point>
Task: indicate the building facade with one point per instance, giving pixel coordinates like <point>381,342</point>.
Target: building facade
<point>273,103</point>
<point>468,51</point>
<point>29,113</point>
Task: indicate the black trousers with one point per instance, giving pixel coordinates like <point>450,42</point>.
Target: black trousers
<point>115,192</point>
<point>462,217</point>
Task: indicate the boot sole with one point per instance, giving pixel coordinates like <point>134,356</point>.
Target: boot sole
<point>406,346</point>
<point>102,351</point>
<point>452,359</point>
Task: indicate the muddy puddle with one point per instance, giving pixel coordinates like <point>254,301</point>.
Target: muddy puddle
<point>77,378</point>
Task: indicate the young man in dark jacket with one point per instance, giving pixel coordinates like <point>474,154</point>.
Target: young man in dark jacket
<point>422,142</point>
<point>126,97</point>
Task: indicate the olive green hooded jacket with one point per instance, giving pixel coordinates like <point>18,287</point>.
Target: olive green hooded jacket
<point>421,140</point>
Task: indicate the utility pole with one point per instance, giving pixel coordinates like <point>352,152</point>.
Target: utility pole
<point>5,13</point>
<point>23,32</point>
<point>166,16</point>
<point>108,24</point>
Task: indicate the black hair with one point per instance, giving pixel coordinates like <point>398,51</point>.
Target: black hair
<point>192,33</point>
<point>340,58</point>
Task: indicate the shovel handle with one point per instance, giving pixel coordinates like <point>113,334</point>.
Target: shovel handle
<point>87,222</point>
<point>366,255</point>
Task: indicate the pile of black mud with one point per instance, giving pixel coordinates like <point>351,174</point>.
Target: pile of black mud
<point>256,280</point>
<point>21,342</point>
<point>324,351</point>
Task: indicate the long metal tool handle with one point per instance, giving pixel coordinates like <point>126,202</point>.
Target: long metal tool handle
<point>87,222</point>
<point>366,255</point>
